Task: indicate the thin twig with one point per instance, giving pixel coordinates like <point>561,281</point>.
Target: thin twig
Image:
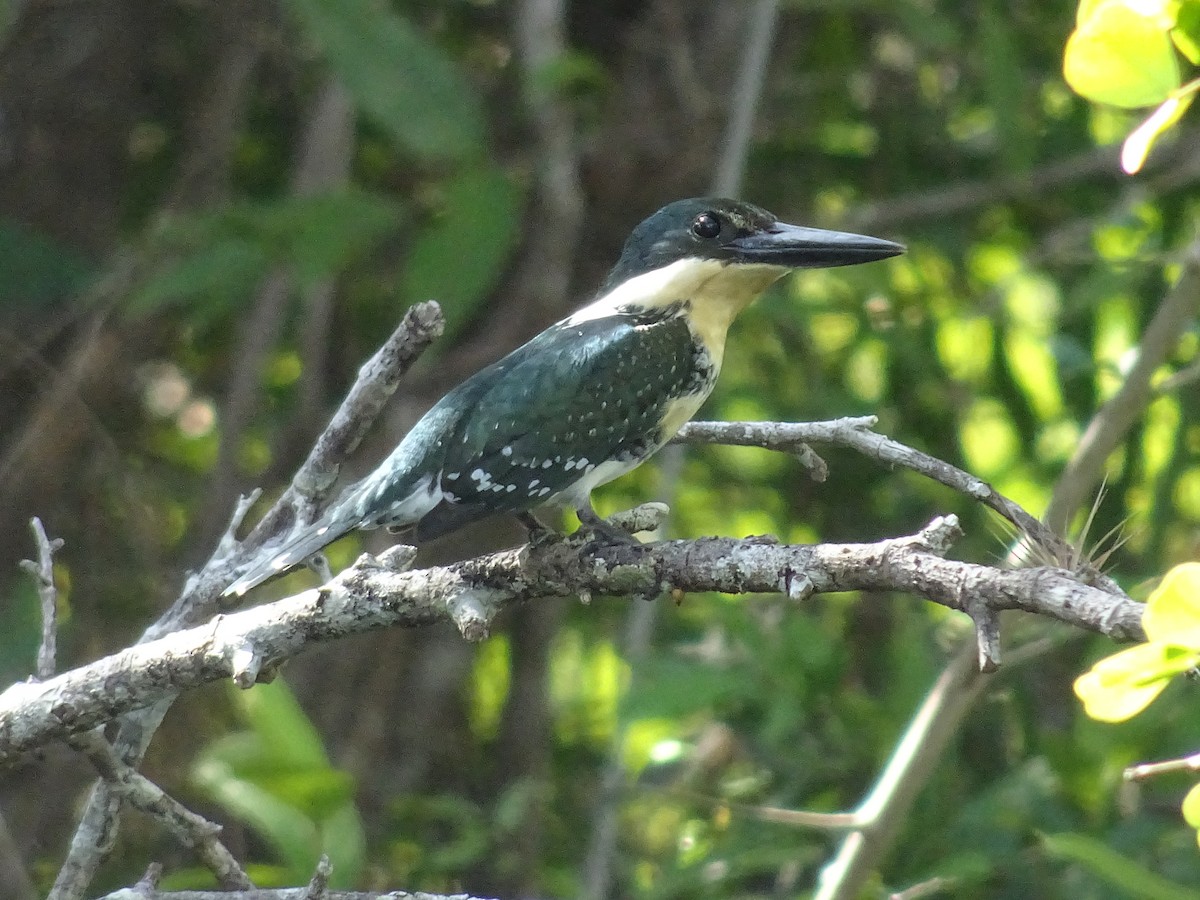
<point>43,573</point>
<point>193,831</point>
<point>318,885</point>
<point>1149,770</point>
<point>1118,414</point>
<point>294,893</point>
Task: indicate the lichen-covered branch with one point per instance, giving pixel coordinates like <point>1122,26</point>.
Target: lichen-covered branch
<point>369,596</point>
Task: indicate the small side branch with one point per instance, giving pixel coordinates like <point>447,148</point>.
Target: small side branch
<point>855,433</point>
<point>192,830</point>
<point>147,892</point>
<point>43,573</point>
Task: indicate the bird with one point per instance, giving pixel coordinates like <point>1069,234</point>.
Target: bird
<point>594,395</point>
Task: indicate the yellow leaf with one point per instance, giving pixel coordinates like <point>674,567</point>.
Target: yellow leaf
<point>1191,808</point>
<point>1172,613</point>
<point>1122,685</point>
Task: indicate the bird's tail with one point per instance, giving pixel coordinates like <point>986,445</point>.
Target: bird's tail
<point>336,522</point>
<point>370,503</point>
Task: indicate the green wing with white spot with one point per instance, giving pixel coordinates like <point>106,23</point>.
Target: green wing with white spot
<point>540,421</point>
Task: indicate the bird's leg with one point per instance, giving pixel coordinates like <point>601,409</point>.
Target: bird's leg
<point>538,530</point>
<point>589,519</point>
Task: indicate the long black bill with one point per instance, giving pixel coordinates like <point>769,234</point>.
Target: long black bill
<point>811,248</point>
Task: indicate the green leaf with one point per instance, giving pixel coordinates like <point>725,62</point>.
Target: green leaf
<point>289,832</point>
<point>1186,33</point>
<point>218,274</point>
<point>1172,613</point>
<point>35,268</point>
<point>287,734</point>
<point>457,258</point>
<point>1122,56</point>
<point>345,843</point>
<point>397,76</point>
<point>1116,869</point>
<point>214,259</point>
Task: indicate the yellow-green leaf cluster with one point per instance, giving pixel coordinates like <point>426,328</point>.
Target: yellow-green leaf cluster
<point>1126,53</point>
<point>1122,685</point>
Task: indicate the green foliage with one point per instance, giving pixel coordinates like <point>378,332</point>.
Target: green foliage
<point>1126,54</point>
<point>1121,52</point>
<point>397,76</point>
<point>1124,874</point>
<point>35,269</point>
<point>458,256</point>
<point>276,778</point>
<point>213,260</point>
<point>1122,685</point>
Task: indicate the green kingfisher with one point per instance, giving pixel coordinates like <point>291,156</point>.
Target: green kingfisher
<point>594,395</point>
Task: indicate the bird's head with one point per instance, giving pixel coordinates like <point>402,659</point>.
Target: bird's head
<point>737,234</point>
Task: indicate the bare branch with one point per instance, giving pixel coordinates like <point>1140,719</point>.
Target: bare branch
<point>368,596</point>
<point>192,830</point>
<point>855,433</point>
<point>296,893</point>
<point>199,599</point>
<point>43,573</point>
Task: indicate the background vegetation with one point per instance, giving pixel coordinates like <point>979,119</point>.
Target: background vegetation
<point>212,212</point>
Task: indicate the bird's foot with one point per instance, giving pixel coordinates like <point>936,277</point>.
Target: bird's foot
<point>603,531</point>
<point>537,531</point>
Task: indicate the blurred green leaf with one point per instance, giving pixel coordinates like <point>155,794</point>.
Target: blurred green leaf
<point>1186,33</point>
<point>277,779</point>
<point>1121,54</point>
<point>35,268</point>
<point>1116,869</point>
<point>290,833</point>
<point>1004,77</point>
<point>458,256</point>
<point>214,259</point>
<point>397,76</point>
<point>1191,809</point>
<point>272,711</point>
<point>668,686</point>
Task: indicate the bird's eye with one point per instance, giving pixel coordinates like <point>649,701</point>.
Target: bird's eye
<point>706,226</point>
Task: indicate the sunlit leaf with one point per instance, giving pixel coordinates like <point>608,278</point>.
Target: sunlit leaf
<point>1118,870</point>
<point>1122,685</point>
<point>1121,56</point>
<point>1173,611</point>
<point>1137,146</point>
<point>1191,807</point>
<point>397,76</point>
